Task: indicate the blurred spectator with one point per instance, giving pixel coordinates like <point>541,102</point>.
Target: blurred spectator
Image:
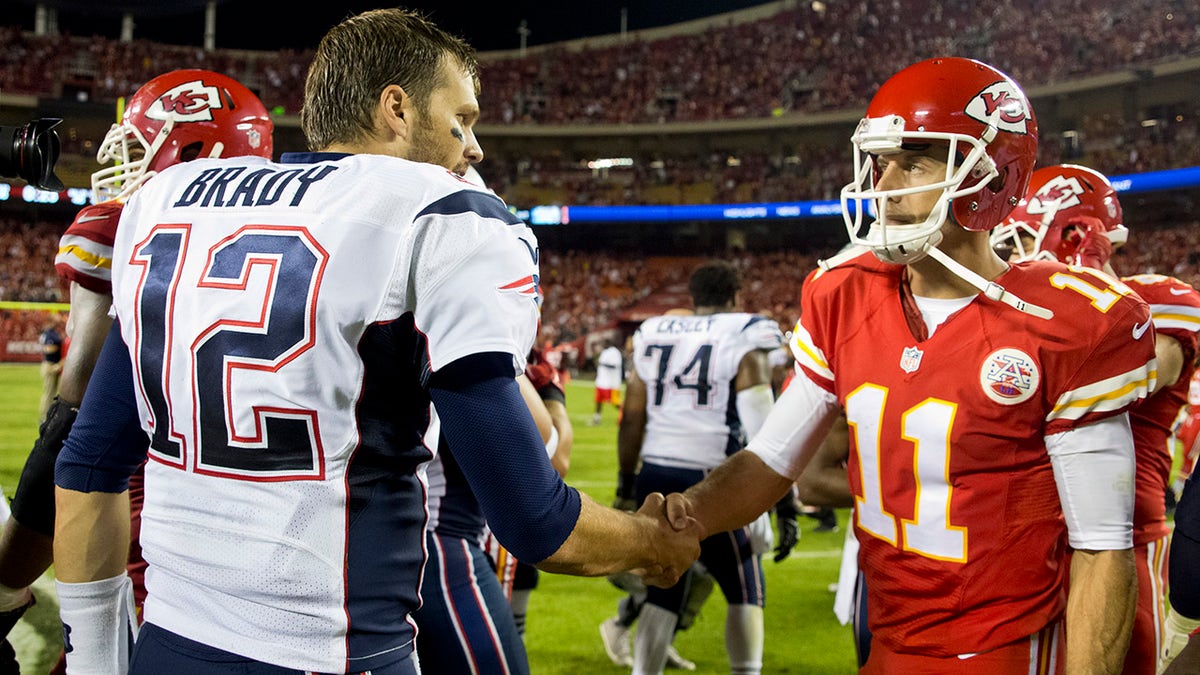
<point>807,57</point>
<point>27,251</point>
<point>51,341</point>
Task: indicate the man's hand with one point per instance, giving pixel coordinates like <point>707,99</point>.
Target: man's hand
<point>679,510</point>
<point>676,540</point>
<point>789,530</point>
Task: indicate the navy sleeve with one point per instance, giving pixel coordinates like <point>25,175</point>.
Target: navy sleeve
<point>106,444</point>
<point>1184,564</point>
<point>494,439</point>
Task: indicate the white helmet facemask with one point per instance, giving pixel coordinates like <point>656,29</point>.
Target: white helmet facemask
<point>130,153</point>
<point>904,244</point>
<point>1023,239</point>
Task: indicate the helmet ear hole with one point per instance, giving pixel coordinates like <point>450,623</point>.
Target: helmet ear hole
<point>997,183</point>
<point>190,151</point>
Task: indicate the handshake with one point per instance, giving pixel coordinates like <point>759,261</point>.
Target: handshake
<point>670,538</point>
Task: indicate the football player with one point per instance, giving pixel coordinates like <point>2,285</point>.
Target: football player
<point>699,386</point>
<point>281,332</point>
<point>610,373</point>
<point>823,483</point>
<point>986,401</point>
<point>1072,214</point>
<point>173,118</point>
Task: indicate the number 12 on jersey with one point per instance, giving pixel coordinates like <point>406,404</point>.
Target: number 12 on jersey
<point>284,443</point>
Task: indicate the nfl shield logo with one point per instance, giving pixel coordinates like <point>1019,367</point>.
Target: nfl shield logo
<point>910,360</point>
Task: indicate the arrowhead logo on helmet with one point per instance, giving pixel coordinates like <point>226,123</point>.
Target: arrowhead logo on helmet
<point>1001,105</point>
<point>189,102</point>
<point>1060,192</point>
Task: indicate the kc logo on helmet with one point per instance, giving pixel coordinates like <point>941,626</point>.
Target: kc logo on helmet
<point>189,102</point>
<point>1009,376</point>
<point>1002,104</point>
<point>1060,192</point>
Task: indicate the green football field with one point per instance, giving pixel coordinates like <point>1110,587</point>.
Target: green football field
<point>802,634</point>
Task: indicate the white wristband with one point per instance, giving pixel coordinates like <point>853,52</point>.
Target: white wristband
<point>552,444</point>
<point>99,625</point>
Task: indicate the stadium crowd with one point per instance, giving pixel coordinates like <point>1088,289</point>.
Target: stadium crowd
<point>27,252</point>
<point>585,291</point>
<point>1108,143</point>
<point>809,57</point>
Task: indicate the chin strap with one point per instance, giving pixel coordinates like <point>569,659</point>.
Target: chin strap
<point>991,289</point>
<point>841,257</point>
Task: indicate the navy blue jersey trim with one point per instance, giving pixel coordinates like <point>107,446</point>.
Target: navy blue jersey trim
<point>311,157</point>
<point>470,201</point>
<point>552,392</point>
<point>753,320</point>
<point>472,369</point>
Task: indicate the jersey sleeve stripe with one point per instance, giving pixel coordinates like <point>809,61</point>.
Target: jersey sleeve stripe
<point>85,250</point>
<point>809,355</point>
<point>1107,395</point>
<point>1176,316</point>
<point>68,267</point>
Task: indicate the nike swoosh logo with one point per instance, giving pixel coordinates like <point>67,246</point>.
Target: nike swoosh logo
<point>88,219</point>
<point>1180,291</point>
<point>1139,331</point>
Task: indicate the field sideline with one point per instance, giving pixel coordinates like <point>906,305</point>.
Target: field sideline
<point>802,635</point>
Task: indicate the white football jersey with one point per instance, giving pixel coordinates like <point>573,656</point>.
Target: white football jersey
<point>689,365</point>
<point>610,369</point>
<point>284,320</point>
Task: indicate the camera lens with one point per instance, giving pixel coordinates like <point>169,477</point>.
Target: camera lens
<point>30,151</point>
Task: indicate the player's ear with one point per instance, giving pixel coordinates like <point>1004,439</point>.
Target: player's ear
<point>397,110</point>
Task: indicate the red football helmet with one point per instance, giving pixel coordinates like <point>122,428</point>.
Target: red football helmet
<point>991,134</point>
<point>176,117</point>
<point>1058,198</point>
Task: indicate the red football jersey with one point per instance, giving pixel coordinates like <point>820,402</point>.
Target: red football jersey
<point>963,541</point>
<point>85,249</point>
<point>1187,432</point>
<point>540,372</point>
<point>1175,309</point>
